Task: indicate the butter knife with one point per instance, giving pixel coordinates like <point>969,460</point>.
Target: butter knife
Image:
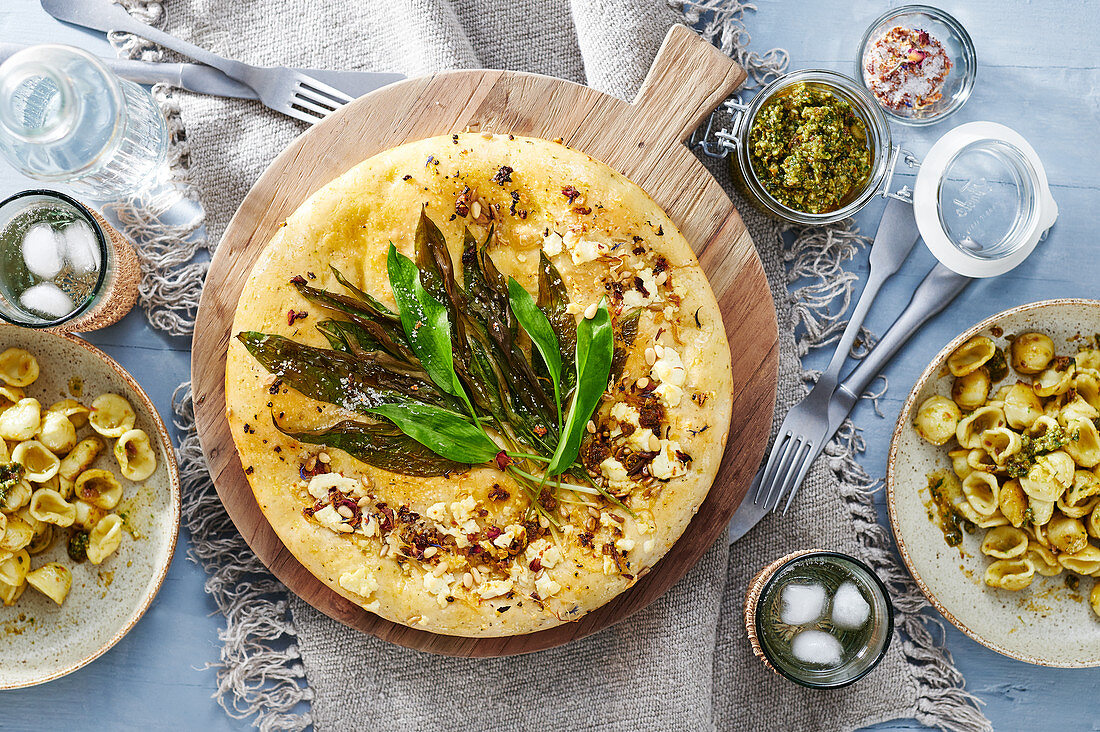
<point>938,288</point>
<point>192,77</point>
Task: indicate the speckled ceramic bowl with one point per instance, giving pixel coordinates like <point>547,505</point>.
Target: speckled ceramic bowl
<point>1046,624</point>
<point>40,641</point>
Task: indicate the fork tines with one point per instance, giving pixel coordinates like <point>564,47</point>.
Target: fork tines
<point>314,100</point>
<point>787,466</point>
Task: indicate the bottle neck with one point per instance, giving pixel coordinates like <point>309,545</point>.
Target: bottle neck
<point>37,104</point>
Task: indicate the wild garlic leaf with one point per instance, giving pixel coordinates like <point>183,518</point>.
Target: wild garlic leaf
<point>425,322</point>
<point>542,335</point>
<point>442,431</point>
<point>382,445</point>
<point>595,348</point>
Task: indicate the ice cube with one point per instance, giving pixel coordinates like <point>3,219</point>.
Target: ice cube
<point>802,604</point>
<point>816,647</point>
<point>850,610</point>
<point>47,300</point>
<point>81,248</point>
<point>42,250</point>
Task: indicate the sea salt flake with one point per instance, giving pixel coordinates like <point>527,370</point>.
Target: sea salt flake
<point>802,604</point>
<point>81,248</point>
<point>816,647</point>
<point>46,299</point>
<point>850,610</point>
<point>42,249</point>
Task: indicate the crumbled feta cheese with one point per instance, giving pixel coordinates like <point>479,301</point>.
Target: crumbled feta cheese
<point>666,465</point>
<point>437,512</point>
<point>463,510</point>
<point>625,413</point>
<point>360,582</point>
<point>495,588</point>
<point>319,484</point>
<point>669,369</point>
<point>614,471</point>
<point>328,518</point>
<point>609,566</point>
<point>551,557</point>
<point>632,300</point>
<point>582,250</point>
<point>439,586</point>
<point>639,439</point>
<point>551,244</point>
<point>510,533</point>
<point>546,587</point>
<point>624,544</point>
<point>669,394</point>
<point>647,546</point>
<point>368,526</point>
<point>606,519</point>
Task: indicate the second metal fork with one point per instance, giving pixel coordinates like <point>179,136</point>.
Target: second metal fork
<point>807,424</point>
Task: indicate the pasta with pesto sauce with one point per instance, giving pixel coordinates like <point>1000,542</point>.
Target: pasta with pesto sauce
<point>51,490</point>
<point>1021,433</point>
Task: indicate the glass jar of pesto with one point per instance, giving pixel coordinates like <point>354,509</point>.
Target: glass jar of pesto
<point>811,147</point>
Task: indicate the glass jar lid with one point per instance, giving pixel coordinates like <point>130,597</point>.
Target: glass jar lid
<point>981,199</point>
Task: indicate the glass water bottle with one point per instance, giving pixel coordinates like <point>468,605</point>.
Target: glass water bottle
<point>65,118</point>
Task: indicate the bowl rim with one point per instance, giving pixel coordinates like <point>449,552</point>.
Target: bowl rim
<point>165,442</point>
<point>904,419</point>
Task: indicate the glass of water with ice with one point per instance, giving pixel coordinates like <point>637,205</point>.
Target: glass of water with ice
<point>62,267</point>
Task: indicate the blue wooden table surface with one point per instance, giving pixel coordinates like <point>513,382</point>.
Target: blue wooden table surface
<point>1037,72</point>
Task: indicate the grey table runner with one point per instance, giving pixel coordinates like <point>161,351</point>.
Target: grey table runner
<point>683,663</point>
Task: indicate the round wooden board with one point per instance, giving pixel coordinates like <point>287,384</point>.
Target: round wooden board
<point>644,140</point>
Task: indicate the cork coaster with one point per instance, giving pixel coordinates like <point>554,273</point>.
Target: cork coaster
<point>120,291</point>
<point>752,600</point>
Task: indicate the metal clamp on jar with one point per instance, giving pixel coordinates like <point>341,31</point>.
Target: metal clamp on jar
<point>981,198</point>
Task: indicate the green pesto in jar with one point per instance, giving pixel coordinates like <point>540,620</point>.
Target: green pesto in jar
<point>809,149</point>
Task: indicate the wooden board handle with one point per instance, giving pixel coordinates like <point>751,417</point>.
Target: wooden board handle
<point>688,79</point>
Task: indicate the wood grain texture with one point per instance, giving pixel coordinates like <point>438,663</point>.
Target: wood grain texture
<point>644,141</point>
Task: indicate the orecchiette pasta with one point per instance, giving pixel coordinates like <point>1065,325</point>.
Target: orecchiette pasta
<point>99,488</point>
<point>1031,352</point>
<point>49,507</point>
<point>20,421</point>
<point>57,432</point>
<point>111,415</point>
<point>53,580</point>
<point>51,492</point>
<point>104,538</point>
<point>937,419</point>
<point>39,463</point>
<point>1027,455</point>
<point>18,367</point>
<point>971,356</point>
<point>135,455</point>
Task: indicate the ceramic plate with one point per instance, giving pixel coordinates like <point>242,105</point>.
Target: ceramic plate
<point>40,641</point>
<point>1046,624</point>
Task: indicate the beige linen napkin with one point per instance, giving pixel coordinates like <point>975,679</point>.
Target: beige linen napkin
<point>683,663</point>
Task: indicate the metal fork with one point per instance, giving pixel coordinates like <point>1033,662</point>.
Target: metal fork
<point>806,426</point>
<point>285,90</point>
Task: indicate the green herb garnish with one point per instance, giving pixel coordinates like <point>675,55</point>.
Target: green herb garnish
<point>449,380</point>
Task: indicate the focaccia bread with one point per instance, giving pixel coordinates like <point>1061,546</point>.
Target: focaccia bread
<point>464,551</point>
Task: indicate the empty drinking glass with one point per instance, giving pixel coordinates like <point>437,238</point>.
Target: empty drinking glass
<point>66,118</point>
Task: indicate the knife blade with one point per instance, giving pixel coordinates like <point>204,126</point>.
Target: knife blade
<point>938,288</point>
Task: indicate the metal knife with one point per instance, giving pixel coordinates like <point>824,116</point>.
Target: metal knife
<point>192,77</point>
<point>938,288</point>
<point>102,15</point>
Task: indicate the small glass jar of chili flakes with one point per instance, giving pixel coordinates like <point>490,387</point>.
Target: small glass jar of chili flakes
<point>918,63</point>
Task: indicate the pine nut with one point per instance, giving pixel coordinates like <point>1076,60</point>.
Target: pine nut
<point>430,552</point>
<point>476,209</point>
<point>593,512</point>
<point>363,502</point>
<point>661,278</point>
<point>654,442</point>
<point>642,383</point>
<point>324,457</point>
<point>440,569</point>
<point>650,356</point>
<point>467,580</point>
<point>590,311</point>
<point>475,574</point>
<point>544,522</point>
<point>345,512</point>
<point>591,427</point>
